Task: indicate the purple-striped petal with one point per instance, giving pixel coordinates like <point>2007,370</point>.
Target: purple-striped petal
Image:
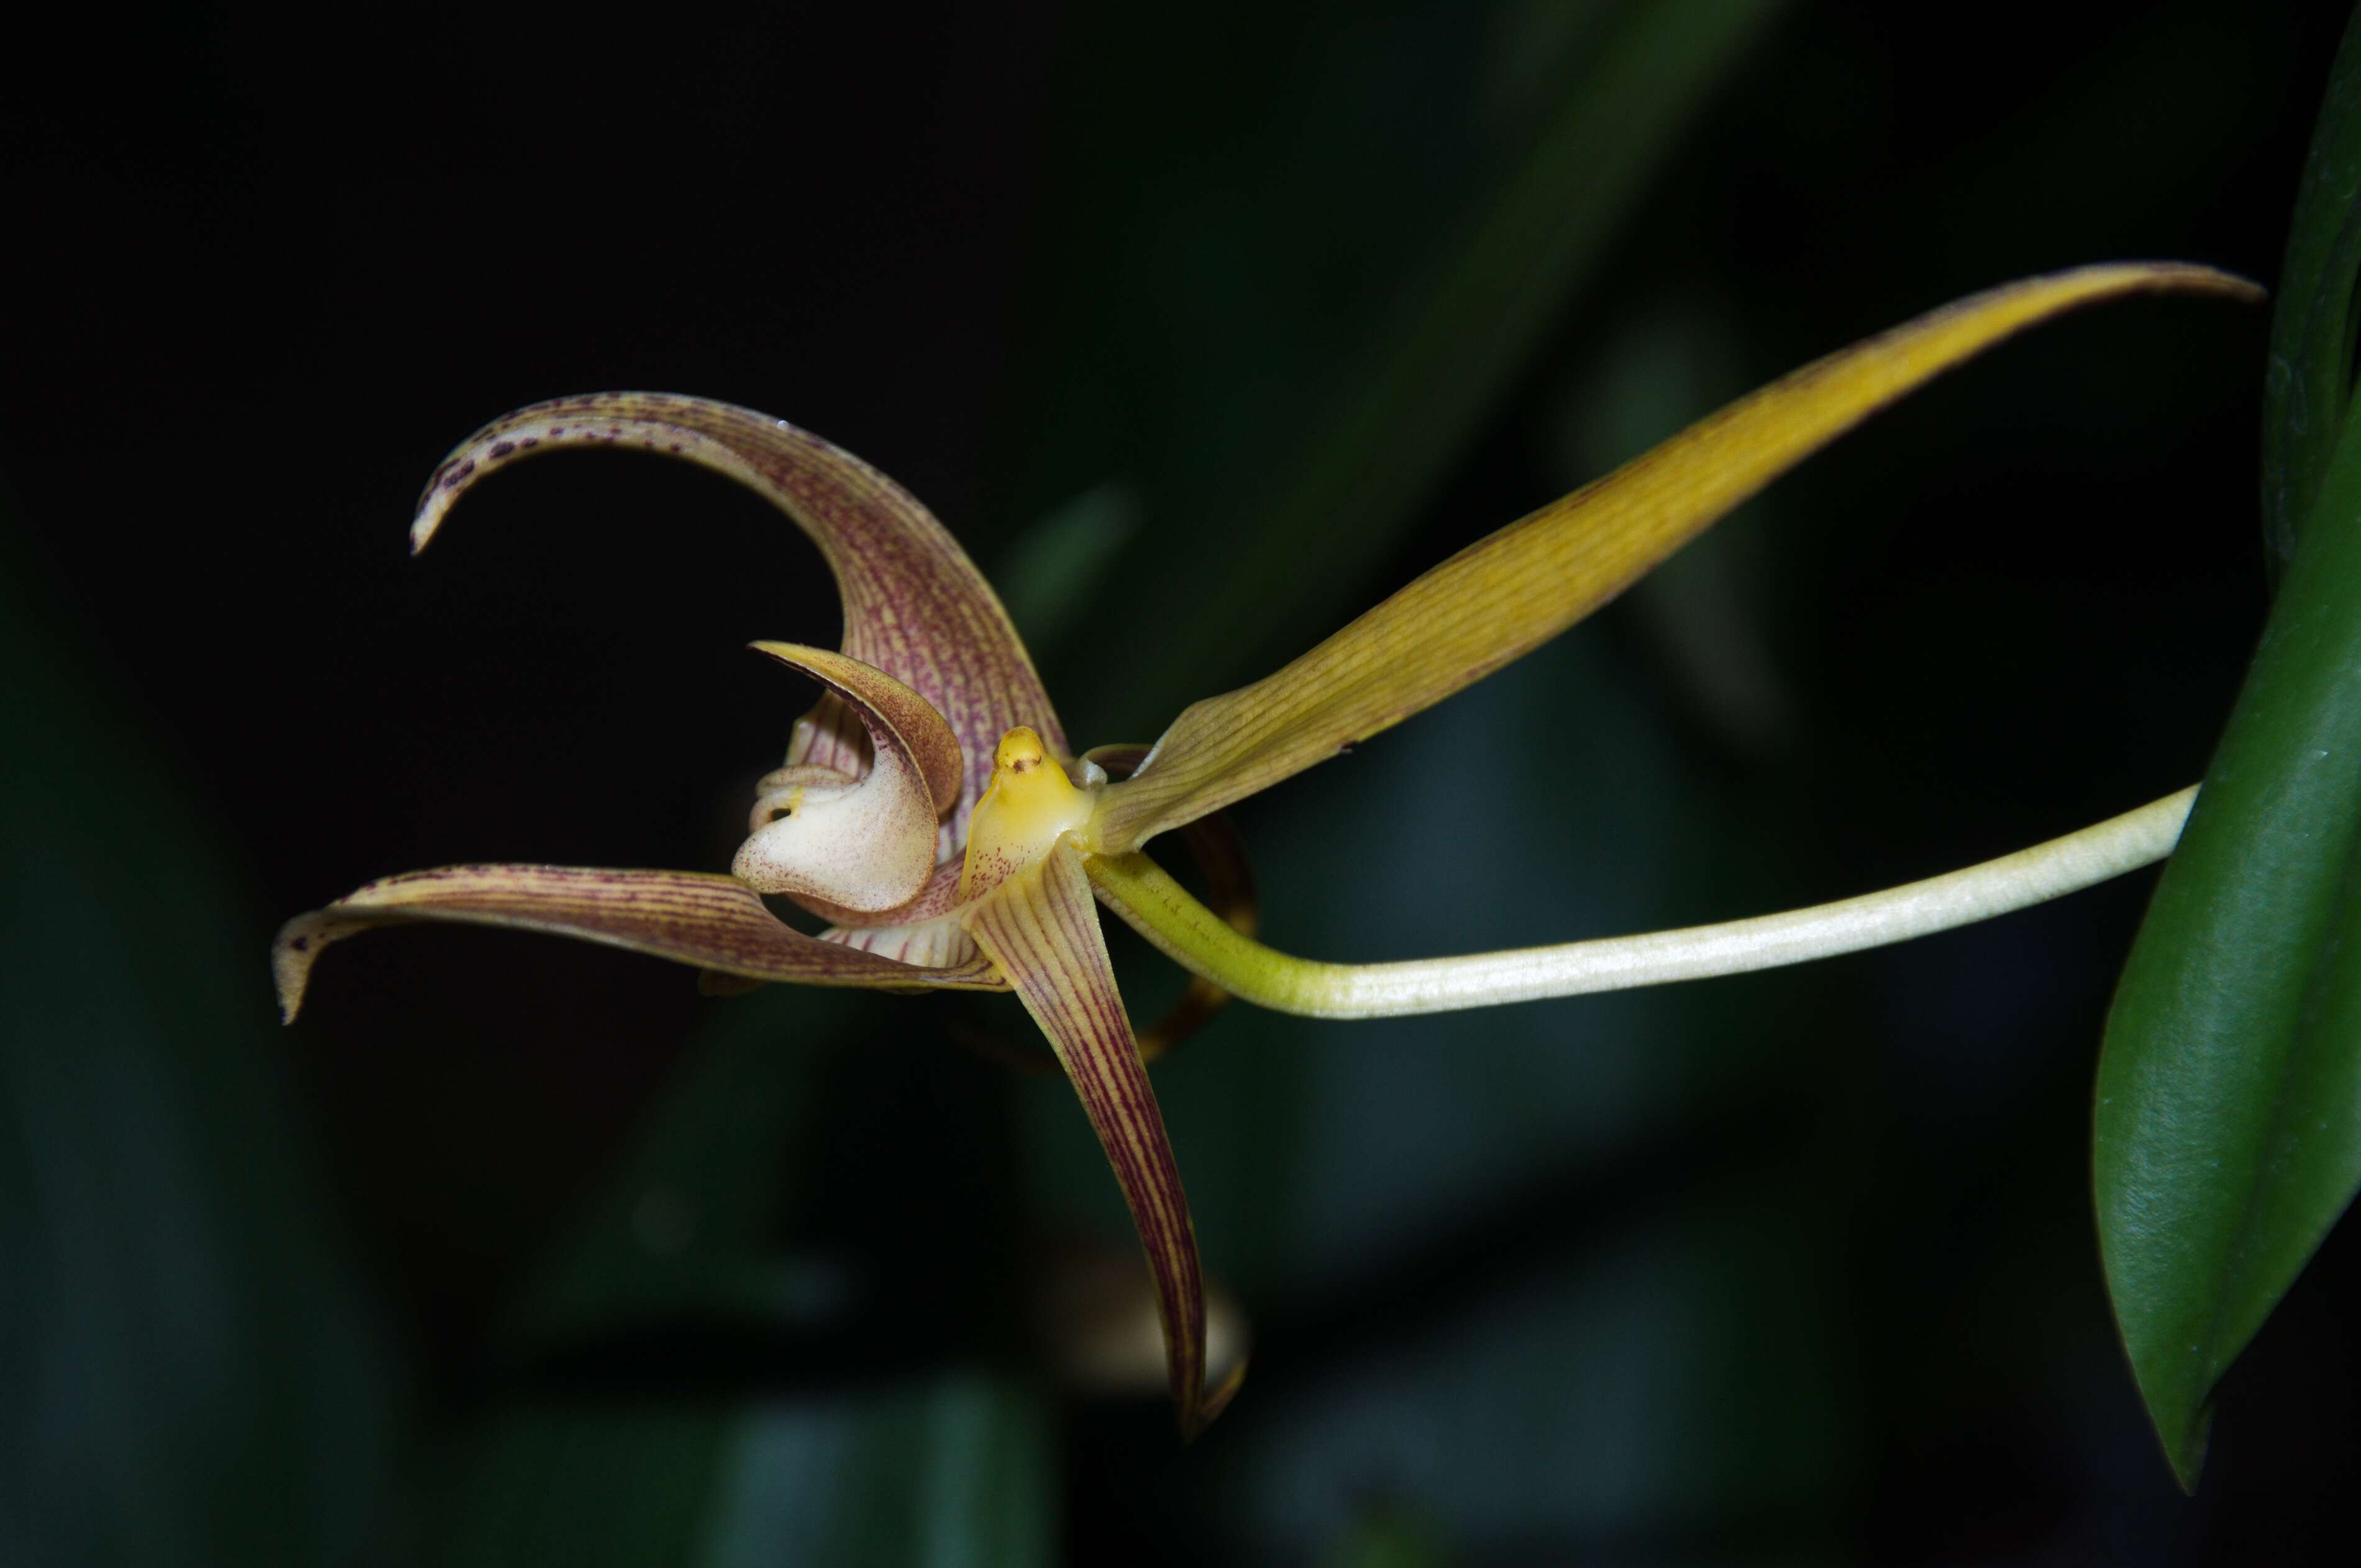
<point>716,923</point>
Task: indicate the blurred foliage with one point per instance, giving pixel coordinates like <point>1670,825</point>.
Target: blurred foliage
<point>1785,1267</point>
<point>699,1378</point>
<point>193,1374</point>
<point>1480,156</point>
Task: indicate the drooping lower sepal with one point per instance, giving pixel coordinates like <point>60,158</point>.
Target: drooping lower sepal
<point>1041,926</point>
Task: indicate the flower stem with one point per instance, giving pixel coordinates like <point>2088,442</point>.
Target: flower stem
<point>1161,910</point>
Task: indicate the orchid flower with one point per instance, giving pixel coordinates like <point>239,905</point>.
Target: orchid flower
<point>932,812</point>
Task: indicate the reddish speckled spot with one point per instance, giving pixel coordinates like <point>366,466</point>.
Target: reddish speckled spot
<point>458,476</point>
<point>300,943</point>
<point>502,448</point>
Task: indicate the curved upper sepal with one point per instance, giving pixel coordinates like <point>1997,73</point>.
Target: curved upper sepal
<point>1507,594</point>
<point>1040,925</point>
<point>915,605</point>
<point>865,845</point>
<point>716,923</point>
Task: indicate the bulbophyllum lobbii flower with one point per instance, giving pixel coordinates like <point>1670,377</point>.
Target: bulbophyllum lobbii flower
<point>931,811</point>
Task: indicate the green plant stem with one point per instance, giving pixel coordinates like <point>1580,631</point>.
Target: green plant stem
<point>1164,912</point>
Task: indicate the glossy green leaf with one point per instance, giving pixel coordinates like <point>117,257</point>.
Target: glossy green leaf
<point>2309,379</point>
<point>2227,1131</point>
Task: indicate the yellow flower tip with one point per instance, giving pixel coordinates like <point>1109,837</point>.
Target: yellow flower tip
<point>1020,753</point>
<point>1027,807</point>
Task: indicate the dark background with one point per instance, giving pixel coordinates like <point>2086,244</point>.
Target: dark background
<point>1202,332</point>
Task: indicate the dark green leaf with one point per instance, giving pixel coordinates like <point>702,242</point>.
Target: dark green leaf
<point>2227,1132</point>
<point>2309,379</point>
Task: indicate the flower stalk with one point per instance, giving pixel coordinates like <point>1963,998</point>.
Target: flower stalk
<point>1193,936</point>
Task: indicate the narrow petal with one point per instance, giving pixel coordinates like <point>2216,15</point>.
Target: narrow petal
<point>1041,926</point>
<point>716,922</point>
<point>915,727</point>
<point>868,845</point>
<point>1507,594</point>
<point>915,605</point>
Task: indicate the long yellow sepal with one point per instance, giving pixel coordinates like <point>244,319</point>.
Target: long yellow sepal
<point>1509,593</point>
